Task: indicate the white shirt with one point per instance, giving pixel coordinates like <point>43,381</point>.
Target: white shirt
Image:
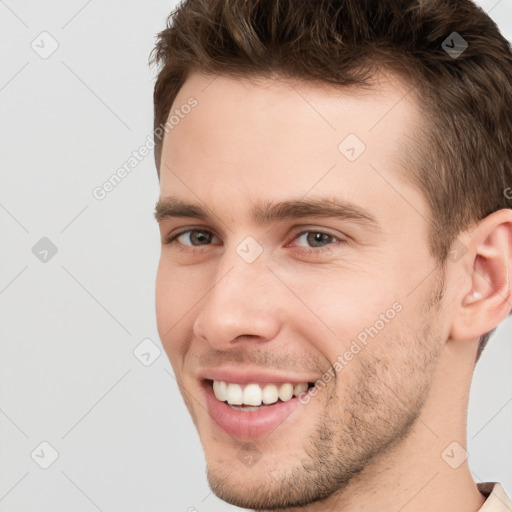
<point>497,499</point>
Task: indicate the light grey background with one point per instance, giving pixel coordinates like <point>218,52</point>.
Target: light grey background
<point>68,327</point>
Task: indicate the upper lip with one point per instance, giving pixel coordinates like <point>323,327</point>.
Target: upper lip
<point>246,375</point>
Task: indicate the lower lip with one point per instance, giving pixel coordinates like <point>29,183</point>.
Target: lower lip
<point>248,424</point>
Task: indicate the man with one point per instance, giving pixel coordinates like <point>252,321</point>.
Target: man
<point>336,224</point>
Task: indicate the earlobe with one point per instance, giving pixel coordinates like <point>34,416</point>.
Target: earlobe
<point>489,298</point>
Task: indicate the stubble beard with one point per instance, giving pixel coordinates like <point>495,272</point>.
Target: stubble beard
<point>370,420</point>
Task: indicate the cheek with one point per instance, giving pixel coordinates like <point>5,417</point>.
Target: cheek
<point>163,300</point>
<point>345,303</point>
<point>172,301</point>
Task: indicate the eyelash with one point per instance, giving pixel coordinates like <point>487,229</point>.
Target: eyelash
<point>171,240</point>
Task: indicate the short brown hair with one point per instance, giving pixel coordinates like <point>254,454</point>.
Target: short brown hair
<point>461,157</point>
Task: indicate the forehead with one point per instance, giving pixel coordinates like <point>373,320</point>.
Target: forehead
<point>277,138</point>
<point>373,108</point>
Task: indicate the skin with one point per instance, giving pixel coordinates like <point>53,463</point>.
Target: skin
<point>373,437</point>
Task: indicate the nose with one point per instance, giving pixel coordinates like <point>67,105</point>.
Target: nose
<point>244,304</point>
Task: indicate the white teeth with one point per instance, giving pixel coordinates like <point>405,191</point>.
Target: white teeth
<point>270,394</point>
<point>299,388</point>
<point>234,394</point>
<point>285,392</point>
<point>220,390</point>
<point>253,396</point>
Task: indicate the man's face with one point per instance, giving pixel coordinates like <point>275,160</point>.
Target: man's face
<point>282,301</point>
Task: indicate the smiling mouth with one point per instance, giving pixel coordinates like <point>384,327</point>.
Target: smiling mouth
<point>256,396</point>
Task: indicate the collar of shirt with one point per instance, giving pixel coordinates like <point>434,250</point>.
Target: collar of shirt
<point>497,499</point>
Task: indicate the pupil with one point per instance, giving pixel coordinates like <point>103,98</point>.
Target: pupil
<point>200,237</point>
<point>318,237</point>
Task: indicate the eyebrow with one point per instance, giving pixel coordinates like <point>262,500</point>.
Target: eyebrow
<point>267,212</point>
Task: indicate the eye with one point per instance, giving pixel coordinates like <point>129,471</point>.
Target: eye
<point>317,239</point>
<point>201,236</point>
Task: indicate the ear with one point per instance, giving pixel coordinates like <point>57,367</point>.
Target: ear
<point>485,298</point>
